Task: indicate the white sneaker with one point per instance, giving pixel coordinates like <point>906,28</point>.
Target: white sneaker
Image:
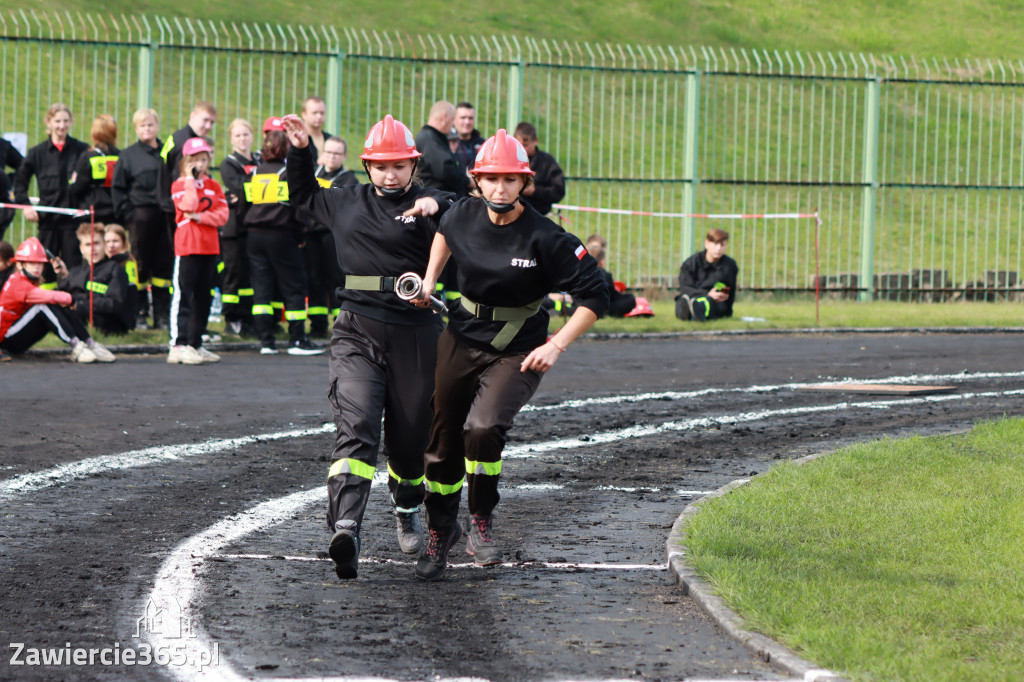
<point>207,355</point>
<point>184,355</point>
<point>82,353</point>
<point>101,352</point>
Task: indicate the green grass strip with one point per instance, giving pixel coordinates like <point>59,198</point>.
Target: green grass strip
<point>894,560</point>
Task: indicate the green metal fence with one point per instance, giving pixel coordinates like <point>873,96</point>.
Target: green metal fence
<point>915,167</point>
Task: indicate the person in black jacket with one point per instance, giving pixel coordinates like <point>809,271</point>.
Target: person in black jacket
<point>236,284</point>
<point>439,169</point>
<point>135,191</point>
<point>10,158</point>
<point>51,162</point>
<point>273,242</point>
<point>99,283</point>
<point>383,349</point>
<point>493,353</point>
<point>549,182</point>
<point>469,140</point>
<point>707,281</point>
<point>92,181</point>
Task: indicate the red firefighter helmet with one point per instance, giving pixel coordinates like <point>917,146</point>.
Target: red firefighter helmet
<point>502,153</point>
<point>31,251</point>
<point>389,140</point>
<point>642,309</point>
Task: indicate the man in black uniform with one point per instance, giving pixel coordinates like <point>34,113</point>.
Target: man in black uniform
<point>439,169</point>
<point>707,281</point>
<point>102,280</point>
<point>470,139</point>
<point>549,181</point>
<point>383,350</point>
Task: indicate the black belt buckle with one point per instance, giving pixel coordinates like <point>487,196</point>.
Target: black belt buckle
<point>485,312</point>
<point>387,284</point>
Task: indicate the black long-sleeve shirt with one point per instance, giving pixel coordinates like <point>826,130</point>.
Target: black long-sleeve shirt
<point>371,235</point>
<point>93,183</point>
<point>235,171</point>
<point>549,182</point>
<point>438,168</point>
<point>697,276</point>
<point>113,294</point>
<point>136,179</point>
<point>171,154</point>
<point>52,168</point>
<point>514,265</point>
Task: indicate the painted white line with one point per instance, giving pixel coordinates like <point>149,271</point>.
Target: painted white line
<point>768,388</point>
<point>560,565</point>
<point>532,450</point>
<point>59,475</point>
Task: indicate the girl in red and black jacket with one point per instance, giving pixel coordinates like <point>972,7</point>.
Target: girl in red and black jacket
<point>199,209</point>
<point>52,162</point>
<point>94,174</point>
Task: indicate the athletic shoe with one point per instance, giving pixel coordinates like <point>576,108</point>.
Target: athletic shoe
<point>433,562</point>
<point>207,355</point>
<point>304,347</point>
<point>101,352</point>
<point>410,531</point>
<point>82,353</point>
<point>344,551</point>
<point>212,338</point>
<point>479,544</point>
<point>184,355</point>
<point>268,350</point>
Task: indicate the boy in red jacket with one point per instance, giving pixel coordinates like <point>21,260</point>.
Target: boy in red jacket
<point>27,312</point>
<point>199,209</point>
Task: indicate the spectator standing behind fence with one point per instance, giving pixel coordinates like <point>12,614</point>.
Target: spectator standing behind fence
<point>200,209</point>
<point>100,283</point>
<point>314,113</point>
<point>320,252</point>
<point>135,193</point>
<point>549,182</point>
<point>707,281</point>
<point>383,350</point>
<point>93,179</point>
<point>439,169</point>
<point>470,140</point>
<point>236,284</point>
<point>274,254</point>
<point>51,162</point>
<point>200,124</point>
<point>9,158</point>
<point>28,312</point>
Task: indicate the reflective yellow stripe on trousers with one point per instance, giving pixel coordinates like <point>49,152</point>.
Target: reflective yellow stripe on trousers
<point>485,468</point>
<point>404,481</point>
<point>351,466</point>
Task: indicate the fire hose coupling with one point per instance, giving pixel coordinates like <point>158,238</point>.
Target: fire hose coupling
<point>409,286</point>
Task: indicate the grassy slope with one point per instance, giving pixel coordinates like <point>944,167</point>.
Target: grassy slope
<point>962,28</point>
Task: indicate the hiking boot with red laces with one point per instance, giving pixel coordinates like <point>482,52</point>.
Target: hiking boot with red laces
<point>479,543</point>
<point>433,562</point>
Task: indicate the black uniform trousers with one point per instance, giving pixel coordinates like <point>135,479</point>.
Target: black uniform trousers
<point>236,285</point>
<point>37,322</point>
<point>701,308</point>
<point>276,265</point>
<point>153,250</point>
<point>378,368</point>
<point>324,275</point>
<point>478,394</point>
<point>190,304</point>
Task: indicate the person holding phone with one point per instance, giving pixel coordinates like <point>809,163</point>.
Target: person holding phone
<point>707,281</point>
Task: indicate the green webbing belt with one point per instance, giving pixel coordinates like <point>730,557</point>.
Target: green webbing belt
<point>514,318</point>
<point>369,283</point>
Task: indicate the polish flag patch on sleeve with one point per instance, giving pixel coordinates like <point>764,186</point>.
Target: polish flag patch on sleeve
<point>581,251</point>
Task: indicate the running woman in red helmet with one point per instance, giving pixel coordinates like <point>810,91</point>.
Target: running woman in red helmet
<point>494,352</point>
<point>383,349</point>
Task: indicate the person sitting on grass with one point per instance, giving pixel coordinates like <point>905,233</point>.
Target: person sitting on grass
<point>28,313</point>
<point>707,281</point>
<point>100,283</point>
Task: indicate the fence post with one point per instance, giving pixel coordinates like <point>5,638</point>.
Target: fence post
<point>146,62</point>
<point>332,120</point>
<point>870,201</point>
<point>515,94</point>
<point>690,123</point>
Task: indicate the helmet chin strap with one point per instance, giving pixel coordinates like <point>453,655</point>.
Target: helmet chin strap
<point>391,192</point>
<point>501,208</point>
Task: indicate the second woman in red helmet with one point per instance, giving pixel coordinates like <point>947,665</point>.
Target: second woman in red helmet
<point>383,350</point>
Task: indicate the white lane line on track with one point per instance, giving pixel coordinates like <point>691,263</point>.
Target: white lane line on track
<point>558,565</point>
<point>59,475</point>
<point>531,450</point>
<point>179,575</point>
<point>767,388</point>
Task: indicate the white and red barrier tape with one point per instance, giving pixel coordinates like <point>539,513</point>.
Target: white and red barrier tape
<point>713,216</point>
<point>73,212</point>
